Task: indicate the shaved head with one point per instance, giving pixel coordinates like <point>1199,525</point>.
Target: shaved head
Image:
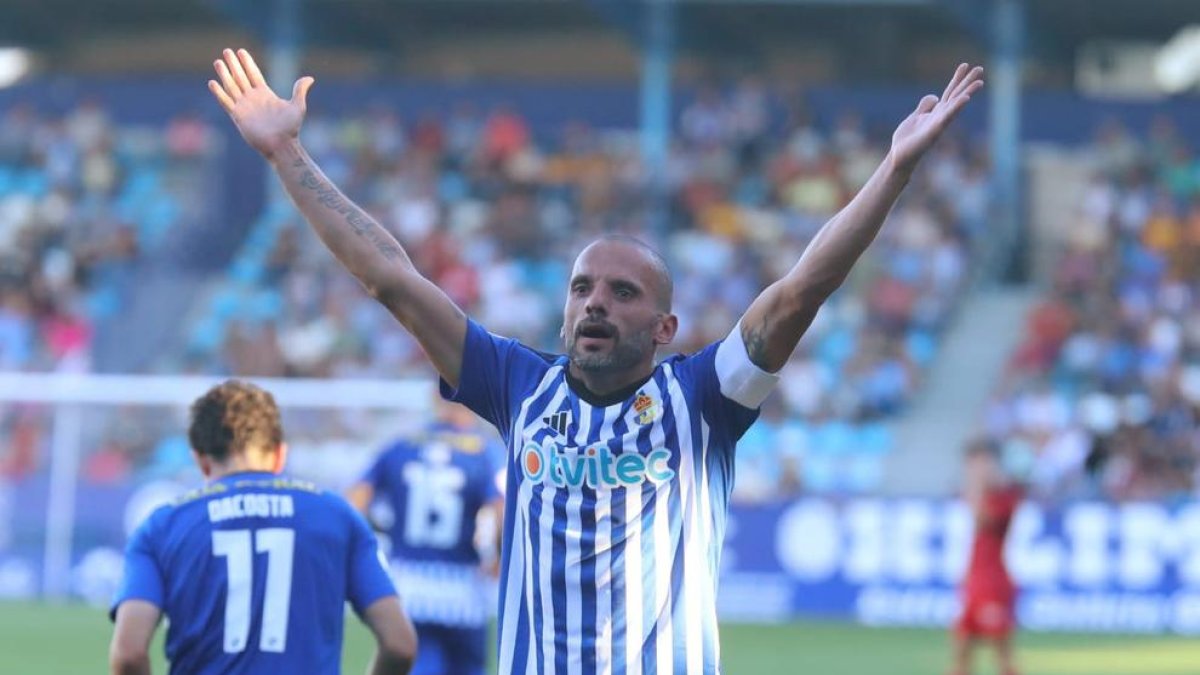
<point>665,288</point>
<point>618,310</point>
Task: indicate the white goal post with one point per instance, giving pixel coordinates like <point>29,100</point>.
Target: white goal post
<point>68,394</point>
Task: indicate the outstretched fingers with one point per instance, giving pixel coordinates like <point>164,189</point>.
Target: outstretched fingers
<point>959,102</point>
<point>252,72</point>
<point>232,90</point>
<point>960,73</point>
<point>966,81</point>
<point>971,83</point>
<point>222,97</point>
<point>237,75</point>
<point>235,68</point>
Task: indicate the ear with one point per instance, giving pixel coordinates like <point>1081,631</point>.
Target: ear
<point>280,458</point>
<point>204,462</point>
<point>668,325</point>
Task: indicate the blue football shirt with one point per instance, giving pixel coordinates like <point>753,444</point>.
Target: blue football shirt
<point>615,510</point>
<point>434,486</point>
<point>253,572</point>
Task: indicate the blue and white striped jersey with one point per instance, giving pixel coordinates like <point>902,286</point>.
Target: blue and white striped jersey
<point>433,487</point>
<point>615,511</point>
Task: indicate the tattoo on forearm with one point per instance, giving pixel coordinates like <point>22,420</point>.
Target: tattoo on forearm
<point>755,338</point>
<point>360,222</point>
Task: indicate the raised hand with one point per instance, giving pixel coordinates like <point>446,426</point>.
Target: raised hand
<point>266,121</point>
<point>917,133</point>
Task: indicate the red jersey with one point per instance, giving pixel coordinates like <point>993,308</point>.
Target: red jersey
<point>989,594</point>
<point>987,569</point>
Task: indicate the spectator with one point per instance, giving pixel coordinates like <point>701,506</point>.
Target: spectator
<point>1113,347</point>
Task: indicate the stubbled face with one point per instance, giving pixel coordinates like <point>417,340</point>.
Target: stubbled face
<point>614,318</point>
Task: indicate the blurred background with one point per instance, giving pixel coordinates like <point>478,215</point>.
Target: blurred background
<point>1036,286</point>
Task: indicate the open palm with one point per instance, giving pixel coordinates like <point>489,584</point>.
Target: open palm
<point>917,133</point>
<point>266,121</point>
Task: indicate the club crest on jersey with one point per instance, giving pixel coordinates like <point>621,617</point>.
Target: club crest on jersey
<point>595,466</point>
<point>647,409</point>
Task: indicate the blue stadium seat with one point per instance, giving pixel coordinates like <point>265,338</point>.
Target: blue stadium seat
<point>265,305</point>
<point>206,335</point>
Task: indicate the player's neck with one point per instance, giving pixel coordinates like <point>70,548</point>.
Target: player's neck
<point>602,389</point>
<point>238,466</point>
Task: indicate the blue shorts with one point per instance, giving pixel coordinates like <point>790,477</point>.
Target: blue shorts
<point>450,650</point>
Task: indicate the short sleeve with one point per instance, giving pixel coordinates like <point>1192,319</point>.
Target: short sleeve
<point>369,577</point>
<point>142,578</point>
<point>377,474</point>
<point>495,371</point>
<point>727,418</point>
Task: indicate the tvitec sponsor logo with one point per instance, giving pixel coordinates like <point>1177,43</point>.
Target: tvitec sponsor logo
<point>595,466</point>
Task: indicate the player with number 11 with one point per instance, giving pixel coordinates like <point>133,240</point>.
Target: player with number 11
<point>254,569</point>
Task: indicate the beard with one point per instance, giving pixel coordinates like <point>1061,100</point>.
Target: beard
<point>623,355</point>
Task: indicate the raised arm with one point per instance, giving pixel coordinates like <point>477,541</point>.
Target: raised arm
<point>777,319</point>
<point>271,125</point>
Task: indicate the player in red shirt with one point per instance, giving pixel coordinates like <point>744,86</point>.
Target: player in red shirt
<point>988,593</point>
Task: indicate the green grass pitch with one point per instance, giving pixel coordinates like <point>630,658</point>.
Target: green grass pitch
<point>40,639</point>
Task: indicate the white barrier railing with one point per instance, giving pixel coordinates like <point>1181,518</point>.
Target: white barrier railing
<point>182,390</point>
<point>68,393</point>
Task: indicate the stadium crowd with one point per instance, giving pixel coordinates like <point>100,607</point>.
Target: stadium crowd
<point>1105,388</point>
<point>82,200</point>
<point>494,213</point>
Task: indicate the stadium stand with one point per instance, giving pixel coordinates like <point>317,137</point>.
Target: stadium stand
<point>1103,390</point>
<point>160,252</point>
<point>83,202</point>
<point>494,211</point>
<point>86,204</point>
<point>494,206</point>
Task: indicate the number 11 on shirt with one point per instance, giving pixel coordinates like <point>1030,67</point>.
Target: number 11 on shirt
<point>234,545</point>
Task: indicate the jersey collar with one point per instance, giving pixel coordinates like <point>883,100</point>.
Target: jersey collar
<point>596,400</point>
<point>243,475</point>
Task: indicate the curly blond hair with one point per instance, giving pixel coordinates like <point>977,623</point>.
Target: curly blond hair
<point>233,417</point>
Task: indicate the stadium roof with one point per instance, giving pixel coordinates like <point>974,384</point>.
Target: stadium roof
<point>889,41</point>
